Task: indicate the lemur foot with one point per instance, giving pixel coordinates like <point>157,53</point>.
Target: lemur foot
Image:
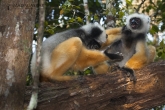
<point>130,73</point>
<point>112,67</point>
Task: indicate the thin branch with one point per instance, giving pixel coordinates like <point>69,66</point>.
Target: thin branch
<point>110,21</point>
<point>137,10</point>
<point>34,97</point>
<point>86,10</point>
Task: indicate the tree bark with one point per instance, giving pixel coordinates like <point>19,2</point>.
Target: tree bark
<point>17,19</point>
<point>111,91</point>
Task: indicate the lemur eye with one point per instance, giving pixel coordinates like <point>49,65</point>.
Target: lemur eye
<point>135,21</point>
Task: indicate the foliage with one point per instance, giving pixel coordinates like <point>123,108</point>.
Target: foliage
<point>87,71</point>
<point>66,14</point>
<point>158,107</point>
<point>29,79</point>
<point>161,50</point>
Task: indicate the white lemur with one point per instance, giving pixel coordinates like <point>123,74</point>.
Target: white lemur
<point>131,42</point>
<point>72,49</point>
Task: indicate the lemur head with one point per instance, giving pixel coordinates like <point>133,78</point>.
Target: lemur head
<point>138,23</point>
<point>95,35</point>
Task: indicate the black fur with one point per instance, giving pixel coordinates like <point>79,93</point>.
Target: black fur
<point>93,44</point>
<point>95,32</point>
<point>90,39</point>
<point>114,56</point>
<point>135,23</point>
<point>126,42</point>
<point>130,73</point>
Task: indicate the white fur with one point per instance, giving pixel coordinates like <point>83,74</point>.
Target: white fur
<point>33,101</point>
<point>102,37</point>
<point>145,22</point>
<point>45,61</point>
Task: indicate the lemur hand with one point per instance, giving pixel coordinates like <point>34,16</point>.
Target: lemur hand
<point>114,56</point>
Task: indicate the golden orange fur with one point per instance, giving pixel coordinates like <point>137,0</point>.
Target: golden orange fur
<point>143,56</point>
<point>77,58</point>
<point>113,35</point>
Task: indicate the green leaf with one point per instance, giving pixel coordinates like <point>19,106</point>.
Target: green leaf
<point>163,27</point>
<point>88,71</point>
<point>152,31</point>
<point>67,3</point>
<point>121,14</point>
<point>50,31</point>
<point>129,2</point>
<point>96,17</point>
<point>77,7</point>
<point>162,44</point>
<point>155,28</point>
<point>163,15</point>
<point>163,56</point>
<point>113,11</point>
<point>71,20</point>
<point>46,23</point>
<point>79,19</point>
<point>70,0</point>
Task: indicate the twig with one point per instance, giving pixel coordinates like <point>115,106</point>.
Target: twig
<point>137,10</point>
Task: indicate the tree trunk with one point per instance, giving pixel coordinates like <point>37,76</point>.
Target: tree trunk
<point>17,19</point>
<point>111,91</point>
<point>110,21</point>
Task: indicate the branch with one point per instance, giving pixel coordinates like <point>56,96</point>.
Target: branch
<point>110,21</point>
<point>111,91</point>
<point>86,10</point>
<point>137,10</point>
<point>34,96</point>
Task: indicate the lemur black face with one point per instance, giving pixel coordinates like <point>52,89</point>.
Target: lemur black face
<point>93,44</point>
<point>94,39</point>
<point>135,23</point>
